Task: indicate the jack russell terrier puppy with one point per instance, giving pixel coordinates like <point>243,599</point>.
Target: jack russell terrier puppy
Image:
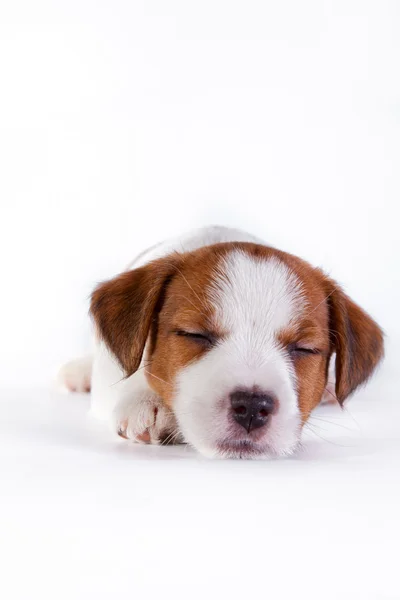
<point>219,341</point>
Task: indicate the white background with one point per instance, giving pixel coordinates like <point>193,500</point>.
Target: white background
<point>122,123</point>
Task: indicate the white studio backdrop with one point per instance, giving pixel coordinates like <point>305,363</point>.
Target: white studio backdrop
<point>124,122</point>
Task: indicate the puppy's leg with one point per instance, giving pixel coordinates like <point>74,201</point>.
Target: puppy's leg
<point>76,375</point>
<point>131,407</point>
<point>141,416</point>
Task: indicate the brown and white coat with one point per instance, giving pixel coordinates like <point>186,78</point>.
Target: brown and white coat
<point>220,341</point>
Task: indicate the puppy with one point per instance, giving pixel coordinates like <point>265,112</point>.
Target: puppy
<point>219,341</point>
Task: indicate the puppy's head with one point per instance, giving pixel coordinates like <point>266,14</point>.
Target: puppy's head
<point>236,338</point>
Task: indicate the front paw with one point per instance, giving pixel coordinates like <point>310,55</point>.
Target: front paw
<point>146,420</point>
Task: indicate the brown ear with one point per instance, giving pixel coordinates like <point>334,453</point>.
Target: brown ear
<point>356,339</point>
<point>123,309</point>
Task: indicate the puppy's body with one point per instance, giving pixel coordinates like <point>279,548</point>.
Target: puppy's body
<point>215,339</point>
<point>206,236</point>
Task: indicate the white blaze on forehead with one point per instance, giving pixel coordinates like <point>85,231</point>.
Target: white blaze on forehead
<point>255,296</point>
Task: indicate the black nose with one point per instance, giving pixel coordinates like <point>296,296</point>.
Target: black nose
<point>251,409</point>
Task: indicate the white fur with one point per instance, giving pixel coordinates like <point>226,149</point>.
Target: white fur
<point>254,299</point>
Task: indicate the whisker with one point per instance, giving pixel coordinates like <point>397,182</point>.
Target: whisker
<point>325,439</point>
<point>331,423</point>
<point>144,366</point>
<point>346,410</point>
<point>308,425</point>
<point>192,303</point>
<point>159,378</point>
<point>197,296</point>
<point>116,382</point>
<point>168,438</point>
<point>322,301</point>
<point>331,393</point>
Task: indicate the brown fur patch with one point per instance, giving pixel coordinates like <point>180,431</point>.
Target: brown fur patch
<point>356,339</point>
<point>124,308</point>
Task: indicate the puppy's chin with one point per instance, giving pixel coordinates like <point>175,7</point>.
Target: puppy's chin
<point>230,448</point>
<point>242,449</point>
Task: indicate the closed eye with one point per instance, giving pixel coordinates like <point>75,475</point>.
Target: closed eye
<point>202,338</point>
<point>297,349</point>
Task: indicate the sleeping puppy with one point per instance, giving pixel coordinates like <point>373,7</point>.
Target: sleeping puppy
<point>219,341</point>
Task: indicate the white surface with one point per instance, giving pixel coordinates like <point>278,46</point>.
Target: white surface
<point>85,515</point>
<point>125,122</point>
